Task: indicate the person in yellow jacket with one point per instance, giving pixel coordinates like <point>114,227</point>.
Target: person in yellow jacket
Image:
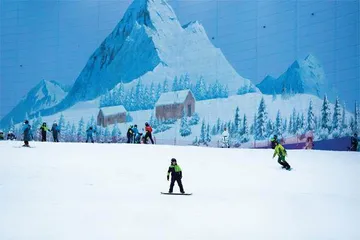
<point>281,153</point>
<point>44,129</point>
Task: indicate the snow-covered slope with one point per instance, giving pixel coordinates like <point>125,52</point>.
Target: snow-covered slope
<point>44,95</point>
<point>150,43</point>
<point>112,191</point>
<point>306,76</point>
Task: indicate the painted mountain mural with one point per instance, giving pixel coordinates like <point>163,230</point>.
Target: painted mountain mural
<point>306,76</point>
<point>44,95</point>
<point>149,43</point>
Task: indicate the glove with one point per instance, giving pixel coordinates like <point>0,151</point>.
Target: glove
<point>167,177</point>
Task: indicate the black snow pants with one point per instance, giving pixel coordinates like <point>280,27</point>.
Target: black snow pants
<point>148,135</point>
<point>178,180</point>
<point>43,136</point>
<point>282,162</point>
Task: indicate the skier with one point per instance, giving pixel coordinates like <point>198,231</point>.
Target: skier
<point>354,143</point>
<point>281,152</point>
<point>136,134</point>
<point>89,134</point>
<point>44,129</point>
<point>1,135</point>
<point>274,140</point>
<point>309,143</point>
<point>148,133</point>
<point>11,136</point>
<point>176,175</point>
<point>27,133</point>
<point>129,134</point>
<point>225,138</point>
<point>55,131</point>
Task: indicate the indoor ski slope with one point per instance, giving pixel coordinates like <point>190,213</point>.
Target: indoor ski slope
<point>112,191</point>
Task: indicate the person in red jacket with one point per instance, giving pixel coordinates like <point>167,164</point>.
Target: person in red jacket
<point>148,134</point>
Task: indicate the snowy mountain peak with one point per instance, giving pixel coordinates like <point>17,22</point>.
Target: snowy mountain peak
<point>303,76</point>
<point>44,95</point>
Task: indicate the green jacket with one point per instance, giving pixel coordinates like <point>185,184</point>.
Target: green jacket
<point>175,171</point>
<point>280,151</point>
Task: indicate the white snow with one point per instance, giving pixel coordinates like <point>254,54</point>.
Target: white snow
<point>90,191</point>
<point>172,97</point>
<point>107,111</point>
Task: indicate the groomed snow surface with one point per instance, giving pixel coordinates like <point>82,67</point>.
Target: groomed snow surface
<point>112,191</point>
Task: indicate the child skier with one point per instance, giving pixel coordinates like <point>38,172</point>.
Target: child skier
<point>129,134</point>
<point>27,133</point>
<point>43,129</point>
<point>281,152</point>
<point>354,143</point>
<point>55,131</point>
<point>176,175</point>
<point>89,134</point>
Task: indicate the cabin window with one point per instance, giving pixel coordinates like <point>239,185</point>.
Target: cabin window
<point>189,110</point>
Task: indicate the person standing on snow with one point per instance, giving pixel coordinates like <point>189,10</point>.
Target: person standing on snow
<point>225,138</point>
<point>89,134</point>
<point>55,131</point>
<point>44,129</point>
<point>11,136</point>
<point>148,134</point>
<point>354,143</point>
<point>130,134</point>
<point>27,134</point>
<point>281,153</point>
<point>176,175</point>
<point>136,134</point>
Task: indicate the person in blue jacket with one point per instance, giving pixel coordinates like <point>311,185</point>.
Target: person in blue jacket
<point>136,134</point>
<point>27,133</point>
<point>89,134</point>
<point>55,129</point>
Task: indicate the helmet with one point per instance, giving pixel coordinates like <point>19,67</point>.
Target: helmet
<point>135,125</point>
<point>146,124</point>
<point>26,121</point>
<point>173,160</point>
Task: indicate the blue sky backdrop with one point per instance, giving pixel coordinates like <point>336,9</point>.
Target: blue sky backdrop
<point>53,40</point>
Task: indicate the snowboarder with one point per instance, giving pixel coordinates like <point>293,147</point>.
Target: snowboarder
<point>176,175</point>
<point>44,129</point>
<point>55,131</point>
<point>27,133</point>
<point>11,136</point>
<point>89,134</point>
<point>354,143</point>
<point>1,135</point>
<point>225,138</point>
<point>148,134</point>
<point>281,152</point>
<point>274,140</point>
<point>129,134</point>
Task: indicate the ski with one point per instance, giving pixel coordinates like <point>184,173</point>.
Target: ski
<point>184,194</point>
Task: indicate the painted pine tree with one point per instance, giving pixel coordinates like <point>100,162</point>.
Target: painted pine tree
<point>261,121</point>
<point>269,128</point>
<point>73,135</point>
<point>337,118</point>
<point>278,129</point>
<point>107,135</point>
<point>237,120</point>
<point>356,127</point>
<point>159,91</point>
<point>200,90</point>
<point>175,85</point>
<point>194,119</point>
<point>218,126</point>
<point>185,129</point>
<point>202,132</point>
<point>294,122</point>
<point>208,136</point>
<point>344,124</point>
<point>165,86</point>
<point>245,130</point>
<point>80,135</point>
<point>310,118</point>
<point>115,134</point>
<point>325,119</point>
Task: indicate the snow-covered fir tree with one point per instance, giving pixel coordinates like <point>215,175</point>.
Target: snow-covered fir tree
<point>115,134</point>
<point>285,124</point>
<point>269,128</point>
<point>237,120</point>
<point>245,130</point>
<point>213,130</point>
<point>107,135</point>
<point>194,120</point>
<point>218,126</point>
<point>200,90</point>
<point>261,121</point>
<point>66,133</point>
<point>12,125</point>
<point>73,134</point>
<point>356,127</point>
<point>202,132</point>
<point>278,128</point>
<point>336,122</point>
<point>294,125</point>
<point>186,82</point>
<point>185,129</point>
<point>208,136</point>
<point>344,124</point>
<point>175,85</point>
<point>81,131</point>
<point>310,118</point>
<point>99,134</point>
<point>159,91</point>
<point>325,119</point>
<point>165,86</point>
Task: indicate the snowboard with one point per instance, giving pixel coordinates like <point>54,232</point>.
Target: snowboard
<point>184,194</point>
<point>22,147</point>
<point>290,169</point>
